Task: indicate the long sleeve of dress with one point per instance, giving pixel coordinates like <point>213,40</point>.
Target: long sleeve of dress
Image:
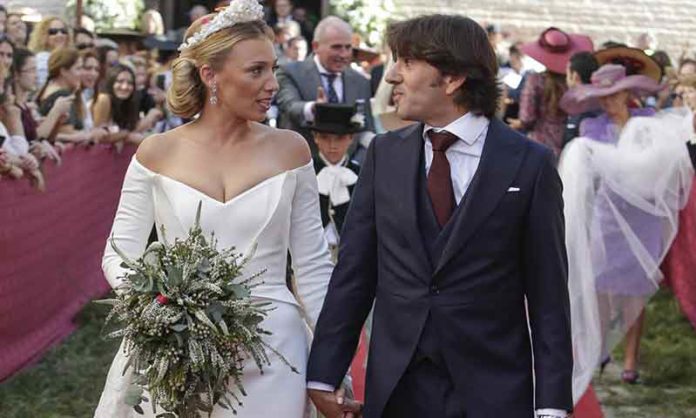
<point>529,102</point>
<point>310,254</point>
<point>132,223</point>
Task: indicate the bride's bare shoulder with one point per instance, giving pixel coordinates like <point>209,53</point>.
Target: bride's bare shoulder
<point>156,148</point>
<point>291,145</point>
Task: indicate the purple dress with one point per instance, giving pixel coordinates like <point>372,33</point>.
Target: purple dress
<point>619,272</point>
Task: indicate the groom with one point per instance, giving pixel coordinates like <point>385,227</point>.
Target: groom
<point>455,222</point>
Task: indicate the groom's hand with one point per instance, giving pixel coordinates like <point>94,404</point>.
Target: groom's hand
<point>335,404</point>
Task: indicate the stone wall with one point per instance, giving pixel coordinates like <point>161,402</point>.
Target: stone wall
<point>672,22</point>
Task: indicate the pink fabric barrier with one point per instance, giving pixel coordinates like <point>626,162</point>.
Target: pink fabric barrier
<point>679,266</point>
<point>50,250</point>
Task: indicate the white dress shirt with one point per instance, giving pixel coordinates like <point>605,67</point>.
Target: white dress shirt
<point>337,85</point>
<point>464,157</point>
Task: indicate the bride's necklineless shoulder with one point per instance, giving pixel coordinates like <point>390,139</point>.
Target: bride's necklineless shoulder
<point>237,196</point>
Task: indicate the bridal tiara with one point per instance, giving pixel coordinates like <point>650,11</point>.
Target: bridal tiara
<point>237,12</point>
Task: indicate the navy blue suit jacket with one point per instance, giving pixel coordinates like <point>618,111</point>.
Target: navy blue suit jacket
<point>506,246</point>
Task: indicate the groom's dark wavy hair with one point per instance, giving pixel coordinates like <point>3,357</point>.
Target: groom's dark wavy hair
<point>455,45</point>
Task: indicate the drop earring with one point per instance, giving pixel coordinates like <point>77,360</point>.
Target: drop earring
<point>213,94</point>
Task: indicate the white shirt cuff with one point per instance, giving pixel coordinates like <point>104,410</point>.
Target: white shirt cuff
<point>325,387</point>
<point>308,114</point>
<point>558,413</point>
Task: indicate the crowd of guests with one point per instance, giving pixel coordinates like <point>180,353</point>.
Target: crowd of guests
<point>63,87</point>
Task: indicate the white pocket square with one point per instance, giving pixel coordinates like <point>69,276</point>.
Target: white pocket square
<point>513,189</point>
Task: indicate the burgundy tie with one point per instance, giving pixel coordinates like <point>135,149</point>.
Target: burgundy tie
<point>439,178</point>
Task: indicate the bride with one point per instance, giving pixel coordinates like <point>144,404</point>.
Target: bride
<point>257,186</point>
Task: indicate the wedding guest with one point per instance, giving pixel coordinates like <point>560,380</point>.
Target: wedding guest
<point>37,130</point>
<point>332,131</point>
<point>325,76</point>
<point>687,66</point>
<point>685,92</point>
<point>3,19</point>
<point>295,49</point>
<point>117,109</point>
<point>158,92</point>
<point>48,35</point>
<point>6,53</point>
<point>12,140</point>
<point>299,15</point>
<point>142,83</point>
<point>16,30</point>
<point>90,84</point>
<point>580,69</point>
<point>107,52</point>
<point>620,277</point>
<point>83,39</point>
<point>64,80</point>
<point>539,114</point>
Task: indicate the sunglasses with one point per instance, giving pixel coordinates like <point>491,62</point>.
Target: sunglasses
<point>56,31</point>
<point>84,46</point>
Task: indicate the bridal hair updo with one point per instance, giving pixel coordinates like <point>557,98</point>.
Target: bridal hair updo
<point>187,93</point>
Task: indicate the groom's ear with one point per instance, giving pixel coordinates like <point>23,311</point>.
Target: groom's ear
<point>453,83</point>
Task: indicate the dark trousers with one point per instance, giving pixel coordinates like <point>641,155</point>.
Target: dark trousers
<point>424,391</point>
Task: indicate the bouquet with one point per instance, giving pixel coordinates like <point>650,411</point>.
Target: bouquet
<point>188,323</point>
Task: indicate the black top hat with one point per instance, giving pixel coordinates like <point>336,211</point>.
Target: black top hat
<point>336,118</point>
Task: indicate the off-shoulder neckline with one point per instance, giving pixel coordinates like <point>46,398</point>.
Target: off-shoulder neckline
<point>236,197</point>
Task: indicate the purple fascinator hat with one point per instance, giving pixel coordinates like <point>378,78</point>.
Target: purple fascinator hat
<point>607,80</point>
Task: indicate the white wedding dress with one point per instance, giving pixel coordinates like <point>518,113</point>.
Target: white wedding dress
<point>279,214</point>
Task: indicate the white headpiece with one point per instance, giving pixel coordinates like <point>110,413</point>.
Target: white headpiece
<point>237,12</point>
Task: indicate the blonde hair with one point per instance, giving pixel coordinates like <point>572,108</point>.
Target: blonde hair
<point>38,41</point>
<point>187,93</point>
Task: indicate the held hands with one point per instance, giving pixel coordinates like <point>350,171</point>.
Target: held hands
<point>335,404</point>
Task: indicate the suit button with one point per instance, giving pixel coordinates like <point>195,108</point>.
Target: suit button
<point>434,290</point>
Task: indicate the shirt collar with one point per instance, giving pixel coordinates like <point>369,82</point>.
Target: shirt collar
<point>321,68</point>
<point>468,128</point>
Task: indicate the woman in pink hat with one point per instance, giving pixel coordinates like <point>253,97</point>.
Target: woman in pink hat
<point>626,179</point>
<point>540,114</point>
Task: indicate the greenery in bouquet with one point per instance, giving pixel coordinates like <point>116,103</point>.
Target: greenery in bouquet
<point>188,321</point>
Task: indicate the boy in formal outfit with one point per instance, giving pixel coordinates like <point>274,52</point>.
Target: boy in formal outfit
<point>332,132</point>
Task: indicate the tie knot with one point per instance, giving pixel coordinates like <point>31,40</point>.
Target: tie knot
<point>329,76</point>
<point>441,140</point>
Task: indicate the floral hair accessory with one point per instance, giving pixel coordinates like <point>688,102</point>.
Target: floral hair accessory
<point>238,11</point>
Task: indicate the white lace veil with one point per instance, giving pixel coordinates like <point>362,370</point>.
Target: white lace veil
<point>614,190</point>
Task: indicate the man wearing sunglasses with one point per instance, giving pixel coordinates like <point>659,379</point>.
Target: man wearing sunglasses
<point>83,39</point>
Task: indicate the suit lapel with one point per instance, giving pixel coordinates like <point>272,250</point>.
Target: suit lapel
<point>405,165</point>
<point>349,95</point>
<point>312,79</point>
<point>500,161</point>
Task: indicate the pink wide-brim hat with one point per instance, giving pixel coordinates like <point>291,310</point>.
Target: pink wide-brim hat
<point>607,80</point>
<point>554,48</point>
